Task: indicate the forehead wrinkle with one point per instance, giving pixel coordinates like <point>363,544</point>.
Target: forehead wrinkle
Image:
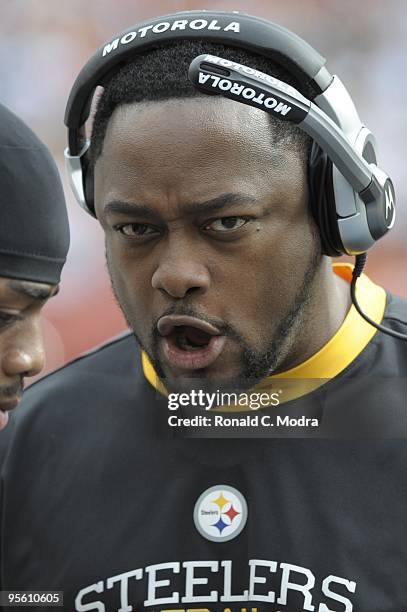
<point>151,155</point>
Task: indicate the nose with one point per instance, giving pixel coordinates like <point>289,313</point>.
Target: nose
<point>24,354</point>
<point>180,272</point>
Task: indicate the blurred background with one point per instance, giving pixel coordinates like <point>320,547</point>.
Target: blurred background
<point>44,44</point>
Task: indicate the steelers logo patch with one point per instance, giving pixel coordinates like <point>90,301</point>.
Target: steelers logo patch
<point>220,514</point>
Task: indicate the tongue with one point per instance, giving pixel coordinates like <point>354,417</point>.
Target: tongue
<point>196,336</point>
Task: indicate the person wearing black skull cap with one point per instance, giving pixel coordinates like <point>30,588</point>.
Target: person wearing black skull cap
<point>34,241</point>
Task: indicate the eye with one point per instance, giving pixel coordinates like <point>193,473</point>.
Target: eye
<point>138,230</point>
<point>8,319</point>
<point>226,224</point>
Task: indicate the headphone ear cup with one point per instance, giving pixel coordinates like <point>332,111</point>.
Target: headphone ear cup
<point>88,185</point>
<point>322,201</point>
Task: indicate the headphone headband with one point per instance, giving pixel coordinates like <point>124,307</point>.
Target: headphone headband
<point>352,200</point>
<point>234,29</point>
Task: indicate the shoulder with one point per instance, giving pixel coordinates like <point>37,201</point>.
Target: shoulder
<point>94,408</point>
<point>116,358</point>
<point>93,381</point>
<point>396,312</point>
<point>94,399</point>
<point>108,357</point>
<point>387,354</point>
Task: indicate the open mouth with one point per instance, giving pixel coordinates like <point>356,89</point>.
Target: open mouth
<point>189,343</point>
<point>189,338</point>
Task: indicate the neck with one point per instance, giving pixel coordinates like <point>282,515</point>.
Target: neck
<point>322,317</point>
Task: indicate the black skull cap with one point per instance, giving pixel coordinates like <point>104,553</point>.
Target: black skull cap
<point>34,229</point>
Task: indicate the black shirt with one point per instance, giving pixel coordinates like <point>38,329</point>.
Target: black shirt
<point>98,497</point>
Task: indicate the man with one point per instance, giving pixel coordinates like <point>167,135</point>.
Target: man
<point>34,238</point>
<point>217,264</point>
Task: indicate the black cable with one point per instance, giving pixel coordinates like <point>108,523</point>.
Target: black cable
<point>360,261</point>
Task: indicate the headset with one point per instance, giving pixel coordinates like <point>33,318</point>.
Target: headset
<point>352,199</point>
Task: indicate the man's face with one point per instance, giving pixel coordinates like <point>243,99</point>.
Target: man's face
<point>210,246</point>
<point>21,346</point>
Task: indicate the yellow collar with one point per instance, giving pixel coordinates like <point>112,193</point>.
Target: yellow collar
<point>343,348</point>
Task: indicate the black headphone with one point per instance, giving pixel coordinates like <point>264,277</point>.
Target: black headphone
<point>352,200</point>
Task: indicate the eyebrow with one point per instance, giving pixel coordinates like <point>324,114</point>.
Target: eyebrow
<point>33,291</point>
<point>222,202</point>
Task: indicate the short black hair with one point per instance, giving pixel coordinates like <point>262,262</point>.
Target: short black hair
<point>162,73</point>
